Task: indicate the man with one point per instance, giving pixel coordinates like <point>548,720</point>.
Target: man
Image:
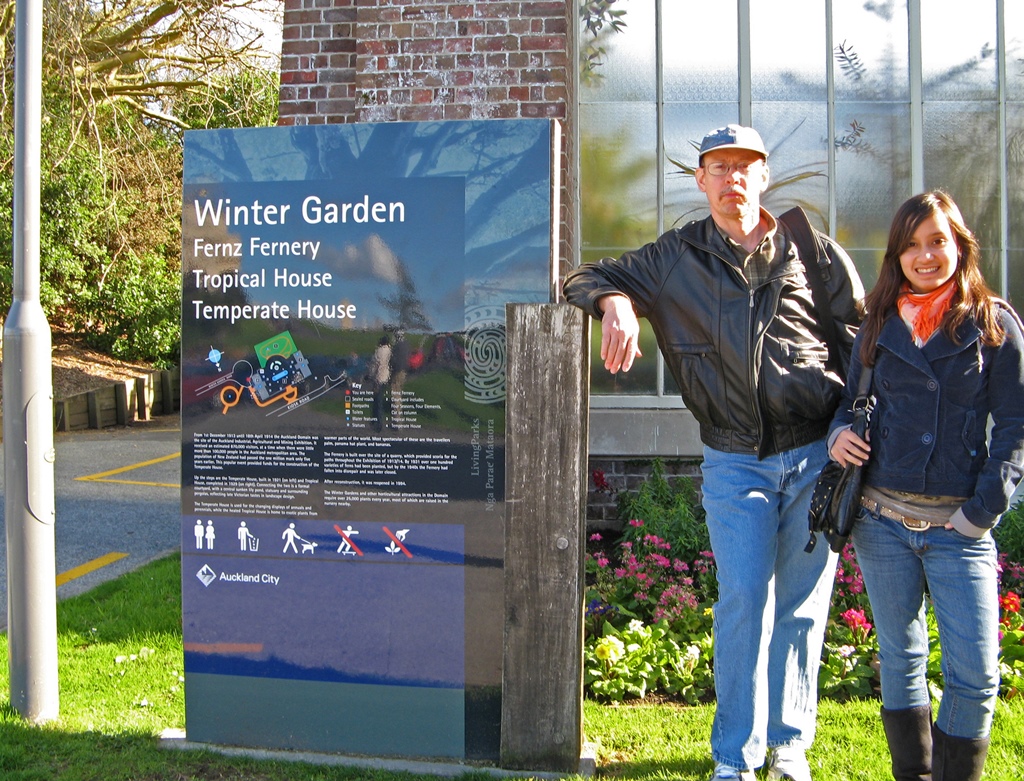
<point>729,302</point>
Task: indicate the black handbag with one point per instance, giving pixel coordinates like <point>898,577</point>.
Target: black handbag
<point>836,498</point>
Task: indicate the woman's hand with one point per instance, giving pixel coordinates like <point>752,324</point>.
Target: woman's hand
<point>850,449</point>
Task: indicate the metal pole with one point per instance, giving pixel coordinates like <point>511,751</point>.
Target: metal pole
<point>28,407</point>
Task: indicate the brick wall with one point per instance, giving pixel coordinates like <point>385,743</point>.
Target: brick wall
<point>485,60</point>
<point>415,60</point>
<point>607,477</point>
<point>318,62</point>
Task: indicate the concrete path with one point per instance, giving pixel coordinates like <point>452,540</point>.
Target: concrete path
<point>118,506</point>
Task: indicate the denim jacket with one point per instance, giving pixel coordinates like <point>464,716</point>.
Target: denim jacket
<point>929,428</point>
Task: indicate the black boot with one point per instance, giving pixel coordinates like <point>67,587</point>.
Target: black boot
<point>957,759</point>
<point>909,734</point>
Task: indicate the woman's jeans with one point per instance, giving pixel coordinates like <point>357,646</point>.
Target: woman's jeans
<point>773,600</point>
<point>899,567</point>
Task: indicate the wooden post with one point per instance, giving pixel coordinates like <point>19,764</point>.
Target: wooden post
<point>95,420</point>
<point>121,403</point>
<point>545,499</point>
<point>167,391</point>
<point>144,396</point>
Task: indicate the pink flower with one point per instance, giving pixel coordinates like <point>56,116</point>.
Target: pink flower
<point>596,537</point>
<point>858,624</point>
<point>855,618</point>
<point>636,522</point>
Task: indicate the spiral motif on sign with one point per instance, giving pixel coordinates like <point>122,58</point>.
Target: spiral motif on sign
<point>485,355</point>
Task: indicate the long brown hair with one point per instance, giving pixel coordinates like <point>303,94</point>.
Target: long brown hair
<point>972,298</point>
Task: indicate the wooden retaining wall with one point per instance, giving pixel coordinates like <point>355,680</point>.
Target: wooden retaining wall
<point>120,403</point>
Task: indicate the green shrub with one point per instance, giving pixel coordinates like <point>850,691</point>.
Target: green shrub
<point>628,663</point>
<point>1009,533</point>
<point>136,311</point>
<point>109,243</point>
<point>670,510</point>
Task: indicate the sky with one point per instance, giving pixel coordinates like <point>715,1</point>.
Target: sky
<point>267,16</point>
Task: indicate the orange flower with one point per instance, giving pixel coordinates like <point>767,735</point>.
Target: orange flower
<point>1010,602</point>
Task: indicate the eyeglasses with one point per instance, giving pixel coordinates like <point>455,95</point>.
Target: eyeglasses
<point>718,168</point>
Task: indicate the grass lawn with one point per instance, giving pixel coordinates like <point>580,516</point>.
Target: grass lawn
<point>121,684</point>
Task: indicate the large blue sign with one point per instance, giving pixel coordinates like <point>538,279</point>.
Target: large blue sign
<point>343,410</point>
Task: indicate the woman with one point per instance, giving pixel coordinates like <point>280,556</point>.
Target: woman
<point>946,355</point>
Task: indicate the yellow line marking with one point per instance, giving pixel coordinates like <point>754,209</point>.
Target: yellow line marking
<point>89,566</point>
<point>100,477</point>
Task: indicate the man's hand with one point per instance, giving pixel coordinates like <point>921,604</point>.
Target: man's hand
<point>620,333</point>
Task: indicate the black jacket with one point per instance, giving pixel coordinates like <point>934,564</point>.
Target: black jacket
<point>751,364</point>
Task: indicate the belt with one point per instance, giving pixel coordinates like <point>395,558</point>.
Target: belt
<point>913,524</point>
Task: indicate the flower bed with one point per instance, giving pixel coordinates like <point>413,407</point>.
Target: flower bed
<point>650,595</point>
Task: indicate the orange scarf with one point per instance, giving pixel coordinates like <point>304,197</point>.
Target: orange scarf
<point>923,312</point>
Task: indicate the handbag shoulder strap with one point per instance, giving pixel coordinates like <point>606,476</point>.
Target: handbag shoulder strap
<point>862,404</point>
<point>816,263</point>
<point>864,386</point>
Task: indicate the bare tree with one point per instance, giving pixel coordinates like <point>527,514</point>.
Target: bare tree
<point>144,54</point>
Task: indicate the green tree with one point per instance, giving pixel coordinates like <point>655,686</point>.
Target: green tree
<point>121,80</point>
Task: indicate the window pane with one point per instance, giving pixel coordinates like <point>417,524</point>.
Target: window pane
<point>1015,166</point>
<point>641,380</point>
<point>618,178</point>
<point>787,50</point>
<point>1015,294</point>
<point>698,67</point>
<point>868,261</point>
<point>796,136</point>
<point>872,171</point>
<point>958,49</point>
<point>870,51</point>
<point>620,66</point>
<point>1013,16</point>
<point>1015,189</point>
<point>961,156</point>
<point>618,212</point>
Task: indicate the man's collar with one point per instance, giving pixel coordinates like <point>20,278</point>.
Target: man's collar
<point>766,219</point>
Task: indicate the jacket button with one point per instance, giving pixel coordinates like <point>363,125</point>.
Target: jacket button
<point>932,385</point>
<point>926,438</point>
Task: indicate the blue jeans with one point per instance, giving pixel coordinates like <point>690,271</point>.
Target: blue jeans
<point>773,600</point>
<point>960,574</point>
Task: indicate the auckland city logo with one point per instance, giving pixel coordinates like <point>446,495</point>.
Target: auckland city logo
<point>206,575</point>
